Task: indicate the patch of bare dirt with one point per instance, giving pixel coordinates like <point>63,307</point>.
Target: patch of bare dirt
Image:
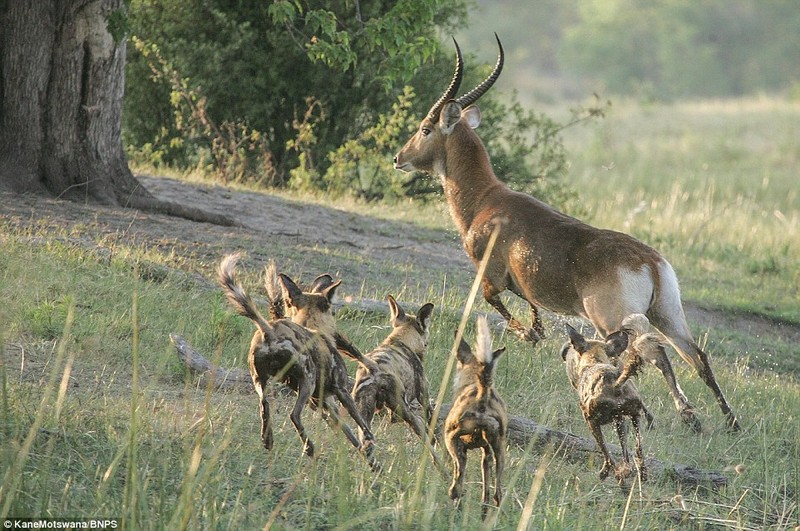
<point>312,237</point>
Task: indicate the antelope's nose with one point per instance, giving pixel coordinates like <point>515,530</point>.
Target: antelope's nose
<point>395,160</point>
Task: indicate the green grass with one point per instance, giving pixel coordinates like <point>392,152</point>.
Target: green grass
<point>98,419</point>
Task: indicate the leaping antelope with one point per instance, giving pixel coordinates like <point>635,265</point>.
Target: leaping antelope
<point>542,255</point>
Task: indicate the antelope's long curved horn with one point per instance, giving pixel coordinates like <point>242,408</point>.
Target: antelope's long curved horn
<point>455,83</point>
<point>472,96</point>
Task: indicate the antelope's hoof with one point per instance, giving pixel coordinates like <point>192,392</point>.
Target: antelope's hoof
<point>733,424</point>
<point>689,418</point>
<point>308,449</point>
<point>525,334</point>
<point>367,447</point>
<point>622,472</point>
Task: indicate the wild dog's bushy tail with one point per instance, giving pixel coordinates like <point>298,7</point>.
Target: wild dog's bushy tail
<point>485,355</point>
<point>236,294</point>
<point>647,346</point>
<point>272,284</point>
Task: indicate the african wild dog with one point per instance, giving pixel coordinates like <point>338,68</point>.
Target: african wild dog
<point>303,357</point>
<point>392,375</point>
<point>606,393</point>
<point>478,418</point>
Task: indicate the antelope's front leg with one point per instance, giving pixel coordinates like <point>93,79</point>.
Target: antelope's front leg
<point>536,322</point>
<point>493,298</point>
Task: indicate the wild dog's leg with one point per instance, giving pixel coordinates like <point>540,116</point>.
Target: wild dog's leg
<point>608,462</point>
<point>647,415</point>
<point>492,296</point>
<point>622,470</point>
<point>421,429</point>
<point>365,397</point>
<point>499,451</point>
<point>635,420</point>
<point>486,477</point>
<point>350,406</point>
<point>304,392</point>
<point>335,422</point>
<point>459,455</point>
<point>266,424</point>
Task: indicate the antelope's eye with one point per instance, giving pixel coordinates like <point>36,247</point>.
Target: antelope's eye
<point>425,131</point>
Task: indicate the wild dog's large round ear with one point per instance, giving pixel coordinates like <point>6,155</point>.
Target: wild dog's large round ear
<point>320,283</point>
<point>464,353</point>
<point>292,293</point>
<point>424,315</point>
<point>497,353</point>
<point>616,343</point>
<point>564,349</point>
<point>330,291</point>
<point>578,341</point>
<point>396,311</point>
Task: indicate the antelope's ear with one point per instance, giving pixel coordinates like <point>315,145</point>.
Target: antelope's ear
<point>449,117</point>
<point>579,343</point>
<point>472,115</point>
<point>424,316</point>
<point>616,343</point>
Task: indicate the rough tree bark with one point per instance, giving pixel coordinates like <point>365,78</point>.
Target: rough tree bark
<point>62,78</point>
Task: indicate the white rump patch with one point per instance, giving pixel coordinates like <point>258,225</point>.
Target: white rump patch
<point>636,288</point>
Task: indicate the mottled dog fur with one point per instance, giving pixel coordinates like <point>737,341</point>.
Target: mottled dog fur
<point>601,375</point>
<point>299,352</point>
<point>392,376</point>
<point>478,418</point>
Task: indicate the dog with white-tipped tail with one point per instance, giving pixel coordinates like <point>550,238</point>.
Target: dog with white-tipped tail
<point>479,417</point>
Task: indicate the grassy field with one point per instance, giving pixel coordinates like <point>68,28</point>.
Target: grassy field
<point>99,420</point>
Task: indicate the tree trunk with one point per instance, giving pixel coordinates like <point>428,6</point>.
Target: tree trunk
<point>62,79</point>
<point>62,86</point>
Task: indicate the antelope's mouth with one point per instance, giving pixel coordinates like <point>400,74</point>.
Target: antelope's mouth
<point>405,166</point>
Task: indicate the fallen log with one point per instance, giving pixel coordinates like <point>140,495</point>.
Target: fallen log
<point>522,432</point>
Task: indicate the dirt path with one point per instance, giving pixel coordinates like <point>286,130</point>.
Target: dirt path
<point>308,236</point>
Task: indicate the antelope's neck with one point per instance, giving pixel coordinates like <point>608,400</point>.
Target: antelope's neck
<point>467,180</point>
